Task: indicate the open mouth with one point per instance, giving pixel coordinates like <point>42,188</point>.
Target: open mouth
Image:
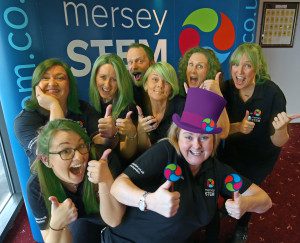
<point>193,81</point>
<point>106,90</point>
<point>196,153</point>
<point>137,75</point>
<point>240,80</point>
<point>77,169</point>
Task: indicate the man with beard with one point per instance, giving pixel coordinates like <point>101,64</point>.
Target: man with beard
<point>139,58</point>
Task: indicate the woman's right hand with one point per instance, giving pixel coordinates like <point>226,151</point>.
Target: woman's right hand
<point>62,214</point>
<point>44,100</point>
<point>163,201</point>
<point>147,123</point>
<point>246,126</point>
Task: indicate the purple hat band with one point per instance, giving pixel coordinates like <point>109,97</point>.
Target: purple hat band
<point>191,118</point>
<point>201,112</point>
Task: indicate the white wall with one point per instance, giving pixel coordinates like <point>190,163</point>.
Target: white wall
<point>284,65</point>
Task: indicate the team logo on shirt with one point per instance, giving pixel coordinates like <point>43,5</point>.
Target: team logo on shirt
<point>210,183</point>
<point>209,190</point>
<point>255,116</point>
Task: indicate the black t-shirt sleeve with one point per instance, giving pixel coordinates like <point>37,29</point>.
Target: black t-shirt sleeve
<point>147,171</point>
<point>224,170</point>
<point>36,202</point>
<point>26,126</point>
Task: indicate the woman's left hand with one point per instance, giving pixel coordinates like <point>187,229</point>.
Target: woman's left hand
<point>126,126</point>
<point>281,121</point>
<point>98,171</point>
<point>236,207</point>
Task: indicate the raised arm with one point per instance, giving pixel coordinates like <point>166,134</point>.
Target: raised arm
<point>49,103</point>
<point>62,214</point>
<point>128,138</point>
<point>144,126</point>
<point>280,124</point>
<point>99,173</point>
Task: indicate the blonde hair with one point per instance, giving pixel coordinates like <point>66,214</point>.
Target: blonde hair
<point>173,135</point>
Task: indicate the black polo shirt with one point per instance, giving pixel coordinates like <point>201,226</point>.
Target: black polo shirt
<point>27,124</point>
<point>198,197</point>
<point>253,154</point>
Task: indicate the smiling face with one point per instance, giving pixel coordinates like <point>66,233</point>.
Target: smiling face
<point>55,82</point>
<point>157,88</point>
<point>106,81</point>
<point>197,70</point>
<point>195,148</point>
<point>71,170</point>
<point>243,73</point>
<point>138,63</point>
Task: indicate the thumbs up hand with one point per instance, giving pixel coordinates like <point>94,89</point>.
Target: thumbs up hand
<point>126,127</point>
<point>106,125</point>
<point>147,123</point>
<point>281,121</point>
<point>246,126</point>
<point>236,207</point>
<point>62,214</point>
<point>213,84</point>
<point>98,170</point>
<point>163,201</point>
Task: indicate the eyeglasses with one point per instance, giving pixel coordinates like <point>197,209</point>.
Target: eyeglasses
<point>69,153</point>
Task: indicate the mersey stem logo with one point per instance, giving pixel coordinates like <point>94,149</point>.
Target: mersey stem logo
<point>206,20</point>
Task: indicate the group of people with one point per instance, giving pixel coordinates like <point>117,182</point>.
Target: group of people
<point>98,166</point>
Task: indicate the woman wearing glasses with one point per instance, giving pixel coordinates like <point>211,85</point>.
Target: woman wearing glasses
<point>63,193</point>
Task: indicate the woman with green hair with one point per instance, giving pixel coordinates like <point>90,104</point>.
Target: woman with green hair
<point>200,68</point>
<point>258,121</point>
<point>54,95</point>
<point>111,94</point>
<point>162,100</point>
<point>62,192</point>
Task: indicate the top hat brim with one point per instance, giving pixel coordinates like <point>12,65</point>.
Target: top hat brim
<point>185,126</point>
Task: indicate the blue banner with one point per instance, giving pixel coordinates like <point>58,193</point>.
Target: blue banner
<point>79,31</point>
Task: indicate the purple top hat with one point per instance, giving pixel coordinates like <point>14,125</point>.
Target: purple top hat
<point>201,112</point>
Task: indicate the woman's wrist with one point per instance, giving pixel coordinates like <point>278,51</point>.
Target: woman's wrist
<point>132,135</point>
<point>57,228</point>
